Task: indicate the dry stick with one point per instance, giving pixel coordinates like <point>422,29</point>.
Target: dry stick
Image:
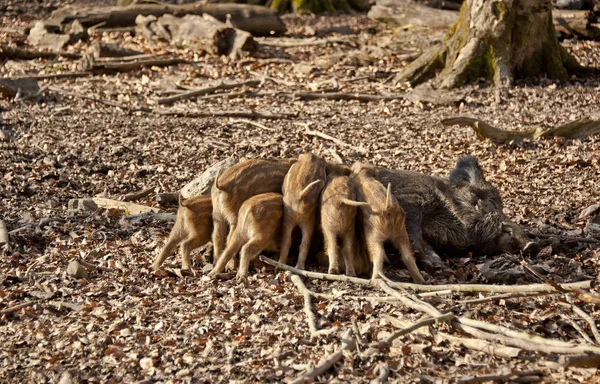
<point>49,76</point>
<point>505,297</point>
<point>89,265</point>
<point>589,320</point>
<point>580,330</point>
<point>384,372</point>
<point>273,79</point>
<point>502,375</point>
<point>15,308</point>
<point>302,43</point>
<point>310,316</point>
<point>587,360</point>
<point>138,195</point>
<point>347,345</point>
<point>235,114</point>
<point>479,345</point>
<point>207,90</point>
<point>436,293</point>
<point>455,288</point>
<point>17,53</point>
<point>125,65</point>
<point>325,136</point>
<point>423,323</point>
<point>255,124</point>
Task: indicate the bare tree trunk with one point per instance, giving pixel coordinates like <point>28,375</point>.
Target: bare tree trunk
<point>498,40</point>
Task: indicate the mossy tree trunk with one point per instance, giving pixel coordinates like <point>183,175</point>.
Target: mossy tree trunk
<point>498,40</point>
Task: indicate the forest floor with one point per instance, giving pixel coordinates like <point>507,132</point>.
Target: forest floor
<point>125,323</point>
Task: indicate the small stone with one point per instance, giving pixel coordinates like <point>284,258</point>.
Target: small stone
<point>183,373</point>
<point>77,270</point>
<point>202,184</point>
<point>146,363</point>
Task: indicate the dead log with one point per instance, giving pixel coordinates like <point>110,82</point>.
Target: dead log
<point>199,33</point>
<point>7,52</point>
<point>258,20</point>
<point>575,23</point>
<point>578,129</point>
<point>101,49</point>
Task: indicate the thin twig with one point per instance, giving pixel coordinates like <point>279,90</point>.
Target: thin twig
<point>250,122</point>
<point>505,375</point>
<point>314,132</point>
<point>580,330</point>
<point>589,320</point>
<point>273,79</point>
<point>93,266</point>
<point>328,362</point>
<point>139,195</point>
<point>9,310</point>
<point>208,90</point>
<point>506,296</point>
<point>301,42</point>
<point>310,316</point>
<point>423,323</point>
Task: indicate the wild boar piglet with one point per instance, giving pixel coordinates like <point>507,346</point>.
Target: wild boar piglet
<point>258,228</point>
<point>301,190</point>
<point>236,185</point>
<point>338,214</point>
<point>192,229</point>
<point>381,220</point>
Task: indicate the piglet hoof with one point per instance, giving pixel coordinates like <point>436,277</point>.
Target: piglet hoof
<point>241,279</point>
<point>231,265</point>
<point>189,272</point>
<point>300,266</point>
<point>333,271</point>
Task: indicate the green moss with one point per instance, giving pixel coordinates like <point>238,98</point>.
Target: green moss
<point>499,9</point>
<point>279,5</point>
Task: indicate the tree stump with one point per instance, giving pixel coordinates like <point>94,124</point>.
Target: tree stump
<point>496,40</point>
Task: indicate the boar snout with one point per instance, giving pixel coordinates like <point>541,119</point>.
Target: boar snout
<point>514,239</point>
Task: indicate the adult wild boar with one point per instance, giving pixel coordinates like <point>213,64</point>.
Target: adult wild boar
<point>454,216</point>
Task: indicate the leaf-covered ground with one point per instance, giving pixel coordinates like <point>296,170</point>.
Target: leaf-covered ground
<point>126,324</point>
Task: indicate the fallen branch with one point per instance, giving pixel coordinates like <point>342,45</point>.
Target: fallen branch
<point>138,195</point>
<point>9,310</point>
<point>591,360</point>
<point>347,345</point>
<point>578,129</point>
<point>479,345</point>
<point>273,79</point>
<point>310,316</point>
<point>64,75</point>
<point>208,90</point>
<point>423,323</point>
<point>524,343</point>
<point>455,288</point>
<point>503,375</point>
<point>589,320</point>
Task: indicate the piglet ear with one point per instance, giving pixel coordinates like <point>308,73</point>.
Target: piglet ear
<point>467,171</point>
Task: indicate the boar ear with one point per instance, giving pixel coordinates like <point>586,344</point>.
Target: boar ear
<point>467,171</point>
<point>388,197</point>
<point>309,187</point>
<point>354,203</point>
<point>217,179</point>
